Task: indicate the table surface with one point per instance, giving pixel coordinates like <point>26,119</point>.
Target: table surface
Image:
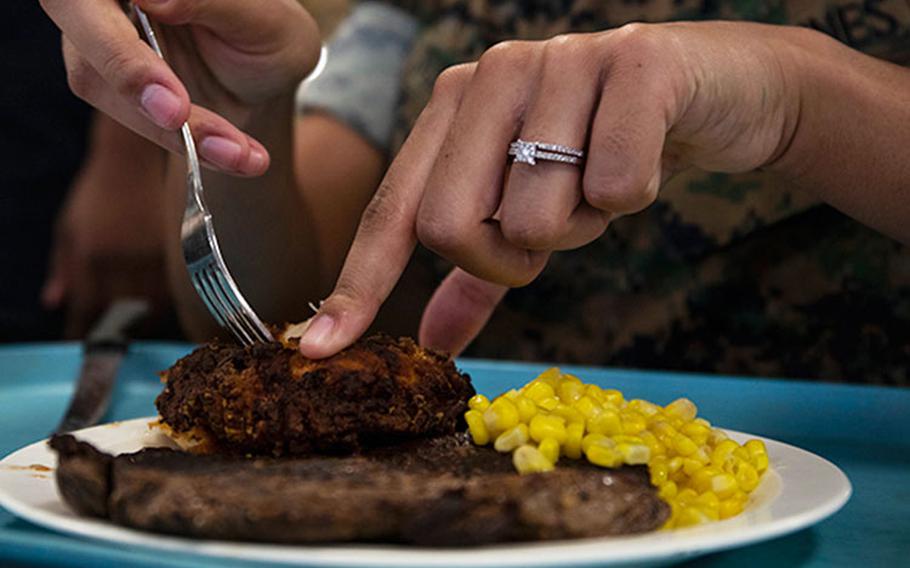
<point>861,429</point>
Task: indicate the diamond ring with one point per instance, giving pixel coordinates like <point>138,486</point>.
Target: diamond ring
<point>529,152</point>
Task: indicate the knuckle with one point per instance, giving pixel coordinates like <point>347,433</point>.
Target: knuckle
<point>126,72</point>
<point>635,38</point>
<point>505,56</point>
<point>451,81</point>
<point>81,78</point>
<point>620,192</point>
<point>439,234</point>
<point>531,232</point>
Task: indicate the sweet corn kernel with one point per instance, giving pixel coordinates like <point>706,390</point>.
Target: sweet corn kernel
<point>479,402</point>
<point>592,439</point>
<point>550,403</point>
<point>707,501</point>
<point>526,408</point>
<point>477,427</point>
<point>607,423</point>
<point>500,416</point>
<point>633,422</point>
<point>603,456</point>
<point>549,447</point>
<point>683,445</point>
<point>596,393</point>
<point>571,378</point>
<point>543,426</point>
<point>682,408</point>
<point>528,459</point>
<point>570,391</point>
<point>613,396</point>
<point>724,485</point>
<point>569,414</point>
<point>574,434</point>
<point>660,472</point>
<point>723,453</point>
<point>644,407</point>
<point>697,432</point>
<point>686,496</point>
<point>634,454</point>
<point>539,390</point>
<point>588,407</point>
<point>690,517</point>
<point>511,394</point>
<point>746,476</point>
<point>551,376</point>
<point>511,438</point>
<point>667,491</point>
<point>675,464</point>
<point>730,508</point>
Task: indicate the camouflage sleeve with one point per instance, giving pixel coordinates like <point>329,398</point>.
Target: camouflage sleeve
<point>361,83</point>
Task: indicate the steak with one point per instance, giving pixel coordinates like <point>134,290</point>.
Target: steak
<point>441,491</point>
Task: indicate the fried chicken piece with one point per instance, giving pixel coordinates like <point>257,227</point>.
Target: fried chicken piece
<point>268,399</point>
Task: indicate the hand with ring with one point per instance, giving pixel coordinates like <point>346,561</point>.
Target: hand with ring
<point>535,148</point>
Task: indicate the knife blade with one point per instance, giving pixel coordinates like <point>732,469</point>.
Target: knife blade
<point>103,352</point>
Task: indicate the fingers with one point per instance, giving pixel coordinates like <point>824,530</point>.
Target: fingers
<point>220,144</point>
<point>541,203</point>
<point>385,239</point>
<point>464,189</point>
<point>249,48</point>
<point>104,36</point>
<point>623,174</point>
<point>458,311</point>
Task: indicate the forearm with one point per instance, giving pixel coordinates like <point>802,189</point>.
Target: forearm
<point>851,143</point>
<point>262,225</point>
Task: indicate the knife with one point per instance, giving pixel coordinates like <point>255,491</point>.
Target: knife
<point>103,352</point>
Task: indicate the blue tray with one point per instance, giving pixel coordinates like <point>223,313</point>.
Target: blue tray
<point>861,429</point>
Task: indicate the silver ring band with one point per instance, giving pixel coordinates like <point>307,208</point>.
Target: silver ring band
<point>529,152</point>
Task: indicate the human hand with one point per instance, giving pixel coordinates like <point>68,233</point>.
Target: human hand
<point>645,101</point>
<point>109,237</point>
<point>233,56</point>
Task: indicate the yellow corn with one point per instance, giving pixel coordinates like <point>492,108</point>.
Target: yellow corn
<point>526,408</point>
<point>479,402</point>
<point>528,459</point>
<point>682,408</point>
<point>702,474</point>
<point>548,427</point>
<point>511,438</point>
<point>500,416</point>
<point>607,422</point>
<point>477,428</point>
<point>574,434</point>
<point>549,447</point>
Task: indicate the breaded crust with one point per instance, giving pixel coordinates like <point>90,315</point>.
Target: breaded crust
<point>268,399</point>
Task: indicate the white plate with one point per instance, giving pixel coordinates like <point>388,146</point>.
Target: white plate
<point>798,491</point>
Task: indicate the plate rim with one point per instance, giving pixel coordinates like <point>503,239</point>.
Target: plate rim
<point>676,545</point>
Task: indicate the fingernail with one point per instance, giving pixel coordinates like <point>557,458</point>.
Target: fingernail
<point>319,331</point>
<point>220,151</point>
<point>258,160</point>
<point>161,105</point>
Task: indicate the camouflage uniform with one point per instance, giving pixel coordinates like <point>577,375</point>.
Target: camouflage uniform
<point>734,274</point>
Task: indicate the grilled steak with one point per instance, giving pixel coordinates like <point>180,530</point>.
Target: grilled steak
<point>268,399</point>
<point>436,492</point>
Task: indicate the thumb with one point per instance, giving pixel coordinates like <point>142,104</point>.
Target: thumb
<point>457,312</point>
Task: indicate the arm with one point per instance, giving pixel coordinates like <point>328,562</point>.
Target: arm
<point>647,101</point>
<point>851,143</point>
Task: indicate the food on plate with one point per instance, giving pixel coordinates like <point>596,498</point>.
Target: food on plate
<point>698,470</point>
<point>388,442</point>
<point>442,491</point>
<point>268,399</point>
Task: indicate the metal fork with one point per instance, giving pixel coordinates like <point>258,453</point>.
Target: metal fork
<point>204,262</point>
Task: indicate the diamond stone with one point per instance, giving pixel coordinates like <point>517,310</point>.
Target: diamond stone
<point>526,152</point>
